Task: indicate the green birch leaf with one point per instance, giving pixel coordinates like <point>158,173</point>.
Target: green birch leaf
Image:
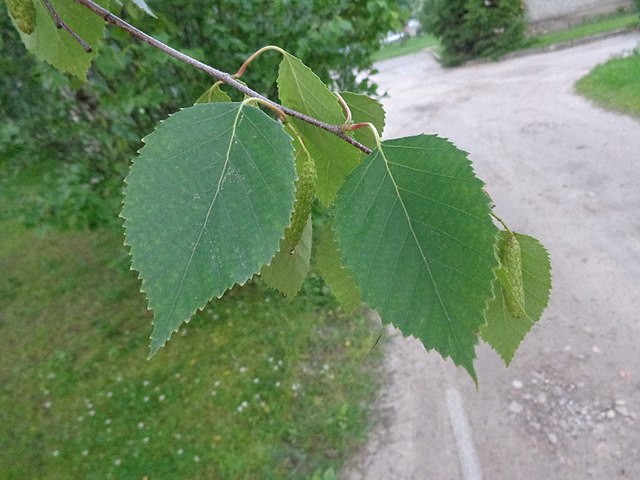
<point>329,264</point>
<point>365,109</point>
<point>300,89</point>
<point>414,228</point>
<point>206,204</point>
<point>289,268</point>
<point>214,95</point>
<point>503,331</point>
<point>56,46</point>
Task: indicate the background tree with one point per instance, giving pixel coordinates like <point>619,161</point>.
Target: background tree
<point>85,133</point>
<point>474,28</point>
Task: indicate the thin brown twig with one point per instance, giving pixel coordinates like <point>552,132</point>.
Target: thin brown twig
<point>215,73</point>
<point>62,25</point>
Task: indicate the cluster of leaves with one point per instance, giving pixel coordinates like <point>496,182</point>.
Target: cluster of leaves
<point>82,134</point>
<point>215,197</point>
<point>471,28</point>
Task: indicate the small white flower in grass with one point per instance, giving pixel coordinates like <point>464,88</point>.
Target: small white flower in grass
<point>140,425</point>
<point>92,413</point>
<point>214,393</point>
<point>85,453</point>
<point>51,375</point>
<point>47,404</point>
<point>80,418</point>
<point>107,421</point>
<point>295,387</point>
<point>180,451</point>
<point>145,398</point>
<point>109,394</point>
<point>242,369</point>
<point>55,453</point>
<point>145,440</point>
<point>161,398</point>
<point>216,383</point>
<point>275,368</point>
<point>278,384</point>
<point>270,359</point>
<point>117,462</point>
<point>145,383</point>
<point>256,380</point>
<point>280,363</point>
<point>196,458</point>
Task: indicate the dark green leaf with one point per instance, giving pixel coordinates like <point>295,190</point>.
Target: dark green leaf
<point>503,331</point>
<point>413,226</point>
<point>206,205</point>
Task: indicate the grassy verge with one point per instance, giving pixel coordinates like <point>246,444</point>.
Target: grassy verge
<point>592,27</point>
<point>614,84</point>
<point>253,387</point>
<point>588,28</point>
<point>410,45</point>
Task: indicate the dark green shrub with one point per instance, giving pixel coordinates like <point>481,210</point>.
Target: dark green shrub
<point>474,28</point>
<point>77,139</point>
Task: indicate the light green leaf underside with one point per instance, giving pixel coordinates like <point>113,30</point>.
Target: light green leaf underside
<point>56,46</point>
<point>300,89</point>
<point>214,95</point>
<point>502,331</point>
<point>365,109</point>
<point>288,269</point>
<point>206,204</point>
<point>329,264</point>
<point>413,226</point>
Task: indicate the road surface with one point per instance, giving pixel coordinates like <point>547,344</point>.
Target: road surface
<point>568,173</point>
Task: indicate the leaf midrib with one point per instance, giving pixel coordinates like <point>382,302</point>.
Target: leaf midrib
<point>415,238</point>
<point>209,210</point>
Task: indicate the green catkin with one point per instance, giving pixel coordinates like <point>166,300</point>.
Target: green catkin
<point>511,259</point>
<point>305,191</point>
<point>23,13</point>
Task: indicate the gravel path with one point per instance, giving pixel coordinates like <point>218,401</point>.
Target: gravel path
<point>568,173</point>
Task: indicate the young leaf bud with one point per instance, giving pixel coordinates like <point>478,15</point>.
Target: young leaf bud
<point>511,259</point>
<point>305,192</point>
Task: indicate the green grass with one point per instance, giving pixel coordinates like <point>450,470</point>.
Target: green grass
<point>615,84</point>
<point>588,28</point>
<point>254,387</point>
<point>410,45</point>
<point>592,27</point>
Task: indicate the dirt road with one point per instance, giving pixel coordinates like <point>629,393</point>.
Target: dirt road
<point>568,173</point>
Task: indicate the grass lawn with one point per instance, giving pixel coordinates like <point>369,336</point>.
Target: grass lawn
<point>615,84</point>
<point>254,387</point>
<point>590,27</point>
<point>410,45</point>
